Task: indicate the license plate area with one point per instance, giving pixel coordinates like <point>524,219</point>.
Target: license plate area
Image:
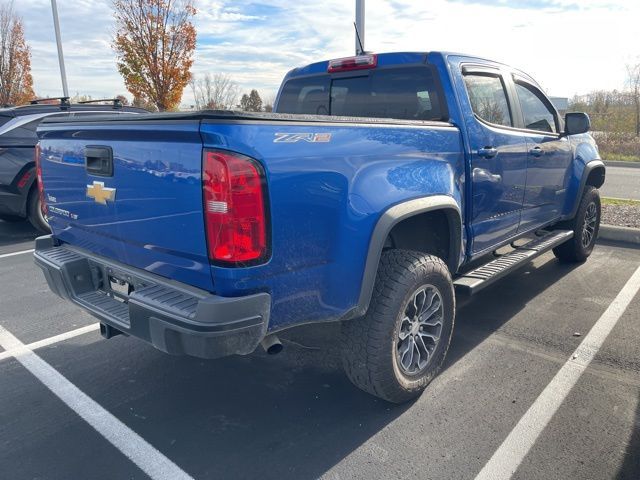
<point>120,289</point>
<point>116,283</point>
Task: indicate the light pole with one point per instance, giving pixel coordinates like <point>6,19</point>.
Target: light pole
<point>359,27</point>
<point>56,26</point>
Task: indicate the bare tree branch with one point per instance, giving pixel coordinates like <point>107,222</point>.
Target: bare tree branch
<point>218,92</point>
<point>633,83</point>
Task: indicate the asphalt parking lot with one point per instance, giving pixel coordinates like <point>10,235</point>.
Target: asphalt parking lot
<point>296,415</point>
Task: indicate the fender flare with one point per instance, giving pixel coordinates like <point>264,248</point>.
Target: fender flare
<point>588,168</point>
<point>385,224</point>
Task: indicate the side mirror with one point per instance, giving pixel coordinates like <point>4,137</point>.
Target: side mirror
<point>576,123</point>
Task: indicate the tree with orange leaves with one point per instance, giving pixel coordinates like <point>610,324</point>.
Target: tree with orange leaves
<point>16,83</point>
<point>154,42</point>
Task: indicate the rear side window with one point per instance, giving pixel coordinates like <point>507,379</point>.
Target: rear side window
<point>537,114</point>
<point>4,119</point>
<point>488,98</point>
<point>408,93</point>
<point>24,134</point>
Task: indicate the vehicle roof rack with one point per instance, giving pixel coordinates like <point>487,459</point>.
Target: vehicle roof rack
<point>64,101</point>
<point>117,103</point>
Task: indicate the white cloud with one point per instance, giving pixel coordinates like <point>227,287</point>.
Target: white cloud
<point>569,46</point>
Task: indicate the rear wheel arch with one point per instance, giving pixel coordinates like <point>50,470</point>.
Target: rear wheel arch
<point>438,217</point>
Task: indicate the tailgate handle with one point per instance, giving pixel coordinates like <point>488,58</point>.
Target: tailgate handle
<point>98,160</point>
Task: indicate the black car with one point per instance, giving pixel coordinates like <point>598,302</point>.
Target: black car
<point>19,197</point>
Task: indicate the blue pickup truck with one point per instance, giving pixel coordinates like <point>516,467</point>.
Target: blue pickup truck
<point>383,186</point>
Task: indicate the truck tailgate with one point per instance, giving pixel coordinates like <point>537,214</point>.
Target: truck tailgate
<point>144,210</point>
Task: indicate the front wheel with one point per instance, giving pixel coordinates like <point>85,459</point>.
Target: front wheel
<point>398,347</point>
<point>585,226</point>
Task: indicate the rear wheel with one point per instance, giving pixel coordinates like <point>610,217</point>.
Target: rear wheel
<point>36,215</point>
<point>398,347</point>
<point>585,226</point>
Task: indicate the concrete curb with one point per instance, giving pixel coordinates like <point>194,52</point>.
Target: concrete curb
<point>616,163</point>
<point>626,235</point>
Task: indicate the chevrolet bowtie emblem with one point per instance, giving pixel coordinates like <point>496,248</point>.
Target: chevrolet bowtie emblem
<point>100,193</point>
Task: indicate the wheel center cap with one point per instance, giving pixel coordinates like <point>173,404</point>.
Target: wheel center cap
<point>415,328</point>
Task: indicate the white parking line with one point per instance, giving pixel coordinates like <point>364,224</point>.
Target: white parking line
<point>55,339</point>
<point>138,450</point>
<point>505,461</point>
<point>13,254</point>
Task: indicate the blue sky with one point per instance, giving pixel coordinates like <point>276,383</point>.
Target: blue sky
<point>568,46</point>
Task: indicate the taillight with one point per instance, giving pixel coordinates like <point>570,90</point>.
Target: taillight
<point>24,179</point>
<point>360,62</point>
<point>43,203</point>
<point>234,206</point>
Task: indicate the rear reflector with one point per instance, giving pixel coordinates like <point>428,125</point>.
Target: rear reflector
<point>234,205</point>
<point>43,203</point>
<point>360,62</point>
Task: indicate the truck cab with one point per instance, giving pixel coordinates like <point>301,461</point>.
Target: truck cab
<point>519,159</point>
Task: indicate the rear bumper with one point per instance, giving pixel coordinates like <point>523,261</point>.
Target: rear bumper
<point>173,317</point>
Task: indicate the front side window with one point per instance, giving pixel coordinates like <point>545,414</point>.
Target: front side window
<point>488,98</point>
<point>537,114</point>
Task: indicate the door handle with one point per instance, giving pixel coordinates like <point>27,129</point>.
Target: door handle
<point>487,152</point>
<point>536,152</point>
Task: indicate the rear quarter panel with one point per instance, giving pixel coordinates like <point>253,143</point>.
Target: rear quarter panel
<point>325,198</point>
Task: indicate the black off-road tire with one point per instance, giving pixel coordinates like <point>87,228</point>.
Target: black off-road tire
<point>585,228</point>
<point>36,218</point>
<point>370,344</point>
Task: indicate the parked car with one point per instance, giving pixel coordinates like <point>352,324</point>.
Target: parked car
<point>18,185</point>
<point>383,184</point>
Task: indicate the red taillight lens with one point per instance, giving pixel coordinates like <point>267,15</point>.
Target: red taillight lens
<point>24,179</point>
<point>43,203</point>
<point>360,62</point>
<point>234,206</point>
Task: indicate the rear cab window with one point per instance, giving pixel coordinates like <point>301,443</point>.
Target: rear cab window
<point>406,93</point>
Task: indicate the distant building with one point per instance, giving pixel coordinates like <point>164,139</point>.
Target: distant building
<point>561,104</point>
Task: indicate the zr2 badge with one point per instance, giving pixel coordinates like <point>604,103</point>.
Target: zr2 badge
<point>302,137</point>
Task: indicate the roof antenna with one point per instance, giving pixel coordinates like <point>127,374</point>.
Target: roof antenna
<point>359,46</point>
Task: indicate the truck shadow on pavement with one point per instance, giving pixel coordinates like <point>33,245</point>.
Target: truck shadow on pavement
<point>294,415</point>
<point>484,314</point>
<point>12,233</point>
